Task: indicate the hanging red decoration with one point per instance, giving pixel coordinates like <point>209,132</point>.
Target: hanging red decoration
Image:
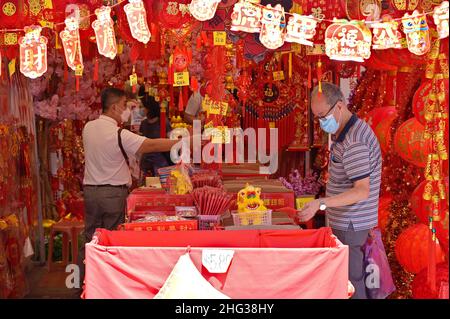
<point>137,20</point>
<point>440,18</point>
<point>174,14</point>
<point>424,100</point>
<point>246,17</point>
<point>203,10</point>
<point>70,39</point>
<point>348,41</point>
<point>417,33</point>
<point>421,288</point>
<point>410,144</point>
<point>272,35</point>
<point>423,208</point>
<point>104,32</point>
<point>412,250</point>
<point>180,60</point>
<point>380,120</point>
<point>33,52</point>
<point>11,14</point>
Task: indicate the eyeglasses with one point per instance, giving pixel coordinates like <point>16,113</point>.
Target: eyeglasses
<point>324,116</point>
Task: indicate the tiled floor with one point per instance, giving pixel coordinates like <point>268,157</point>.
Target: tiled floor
<point>49,285</point>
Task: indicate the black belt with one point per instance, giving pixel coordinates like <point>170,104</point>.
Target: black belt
<point>108,185</point>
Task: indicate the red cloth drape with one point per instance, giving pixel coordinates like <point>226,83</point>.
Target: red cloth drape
<point>266,263</point>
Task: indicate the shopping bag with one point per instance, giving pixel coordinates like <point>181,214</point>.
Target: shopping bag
<point>379,281</point>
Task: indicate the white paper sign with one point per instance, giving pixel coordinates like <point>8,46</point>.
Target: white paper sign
<point>217,261</point>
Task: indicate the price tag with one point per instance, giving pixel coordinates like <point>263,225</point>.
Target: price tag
<point>220,37</point>
<point>79,70</point>
<point>206,103</point>
<point>278,75</point>
<point>133,79</point>
<point>224,108</point>
<point>181,79</point>
<point>217,261</point>
<point>221,135</point>
<point>12,67</point>
<point>271,124</point>
<point>214,108</point>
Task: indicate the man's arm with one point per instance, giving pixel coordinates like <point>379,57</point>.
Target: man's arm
<point>360,191</point>
<point>156,145</point>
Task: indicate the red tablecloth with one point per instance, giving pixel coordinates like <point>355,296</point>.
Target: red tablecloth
<point>266,263</point>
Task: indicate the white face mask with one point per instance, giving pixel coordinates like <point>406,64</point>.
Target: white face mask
<point>125,116</point>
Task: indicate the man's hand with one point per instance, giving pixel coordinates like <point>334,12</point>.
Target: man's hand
<point>308,211</point>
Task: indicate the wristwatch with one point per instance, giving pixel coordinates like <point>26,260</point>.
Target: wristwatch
<point>322,205</point>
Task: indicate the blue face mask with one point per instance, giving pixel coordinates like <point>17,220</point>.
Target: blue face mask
<point>329,124</point>
<point>142,112</point>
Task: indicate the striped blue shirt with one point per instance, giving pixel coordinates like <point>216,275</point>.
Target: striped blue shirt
<point>355,155</point>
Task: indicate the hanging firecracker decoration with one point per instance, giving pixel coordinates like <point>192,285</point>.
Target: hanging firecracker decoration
<point>417,34</point>
<point>33,52</point>
<point>301,29</point>
<point>271,35</point>
<point>137,20</point>
<point>104,32</point>
<point>70,38</point>
<point>203,10</point>
<point>246,17</point>
<point>348,41</point>
<point>386,36</point>
<point>440,17</point>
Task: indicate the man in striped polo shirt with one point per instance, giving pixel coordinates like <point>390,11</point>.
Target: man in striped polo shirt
<point>353,185</point>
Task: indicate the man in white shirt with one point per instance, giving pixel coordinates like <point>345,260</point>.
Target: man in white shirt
<point>107,175</point>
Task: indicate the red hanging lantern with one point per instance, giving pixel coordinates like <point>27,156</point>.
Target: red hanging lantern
<point>423,208</point>
<point>384,211</point>
<point>410,144</point>
<point>420,287</point>
<point>412,251</point>
<point>380,120</point>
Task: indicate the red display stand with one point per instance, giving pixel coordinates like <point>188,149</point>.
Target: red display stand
<point>266,263</point>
